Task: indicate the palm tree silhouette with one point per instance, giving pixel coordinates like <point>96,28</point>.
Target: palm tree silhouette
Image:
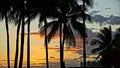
<point>18,13</point>
<point>4,12</point>
<point>18,19</point>
<point>48,8</point>
<point>107,47</point>
<point>28,10</point>
<point>116,43</point>
<point>85,4</point>
<point>22,10</point>
<point>65,14</point>
<point>44,9</point>
<point>17,43</point>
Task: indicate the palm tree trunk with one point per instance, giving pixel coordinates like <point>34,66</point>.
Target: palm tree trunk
<point>84,48</point>
<point>61,47</point>
<point>28,42</point>
<point>22,41</point>
<point>118,58</point>
<point>63,52</point>
<point>46,45</point>
<point>17,44</point>
<point>8,46</point>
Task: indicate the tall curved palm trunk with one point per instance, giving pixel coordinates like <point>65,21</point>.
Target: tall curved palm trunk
<point>22,40</point>
<point>28,42</point>
<point>62,64</point>
<point>61,48</point>
<point>8,45</point>
<point>17,44</point>
<point>46,44</point>
<point>84,47</point>
<point>119,58</point>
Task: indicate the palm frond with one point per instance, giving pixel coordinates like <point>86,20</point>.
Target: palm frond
<point>116,40</point>
<point>68,37</point>
<point>41,19</point>
<point>98,57</point>
<point>48,25</point>
<point>80,16</point>
<point>78,27</point>
<point>53,32</point>
<point>101,36</point>
<point>118,30</point>
<point>89,3</point>
<point>96,42</point>
<point>99,49</point>
<point>33,15</point>
<point>106,32</point>
<point>96,50</point>
<point>104,40</point>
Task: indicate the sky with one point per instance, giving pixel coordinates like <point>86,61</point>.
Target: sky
<point>103,13</point>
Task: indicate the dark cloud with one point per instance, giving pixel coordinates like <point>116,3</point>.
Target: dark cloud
<point>114,19</point>
<point>111,19</point>
<point>99,18</point>
<point>52,57</point>
<point>107,8</point>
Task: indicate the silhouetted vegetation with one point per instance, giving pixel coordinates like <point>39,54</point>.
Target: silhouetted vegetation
<point>22,11</point>
<point>4,13</point>
<point>68,13</point>
<point>107,47</point>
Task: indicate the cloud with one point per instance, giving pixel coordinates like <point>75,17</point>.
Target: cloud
<point>98,11</point>
<point>114,19</point>
<point>94,12</point>
<point>99,18</point>
<point>107,8</point>
<point>38,35</point>
<point>53,48</point>
<point>73,49</point>
<point>35,34</point>
<point>111,19</point>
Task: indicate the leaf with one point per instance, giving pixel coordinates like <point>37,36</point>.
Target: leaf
<point>68,36</point>
<point>53,32</point>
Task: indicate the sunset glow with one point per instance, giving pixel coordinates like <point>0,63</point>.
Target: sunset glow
<point>104,14</point>
<point>37,56</point>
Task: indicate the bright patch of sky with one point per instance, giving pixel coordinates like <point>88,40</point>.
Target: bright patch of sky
<point>106,7</point>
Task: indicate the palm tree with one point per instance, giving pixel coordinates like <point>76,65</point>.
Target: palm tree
<point>116,43</point>
<point>28,38</point>
<point>28,41</point>
<point>22,10</point>
<point>62,19</point>
<point>17,17</point>
<point>17,44</point>
<point>47,10</point>
<point>27,11</point>
<point>4,12</point>
<point>63,16</point>
<point>38,7</point>
<point>18,14</point>
<point>106,47</point>
<point>89,3</point>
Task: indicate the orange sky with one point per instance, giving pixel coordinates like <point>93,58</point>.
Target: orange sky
<point>37,56</point>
